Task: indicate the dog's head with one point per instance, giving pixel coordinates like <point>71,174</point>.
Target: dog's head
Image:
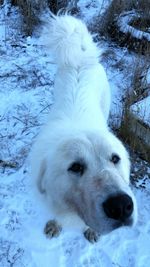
<point>89,173</point>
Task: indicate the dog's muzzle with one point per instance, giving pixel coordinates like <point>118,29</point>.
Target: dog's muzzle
<point>119,207</point>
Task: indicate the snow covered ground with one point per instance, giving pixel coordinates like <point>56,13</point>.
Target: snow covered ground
<point>26,94</point>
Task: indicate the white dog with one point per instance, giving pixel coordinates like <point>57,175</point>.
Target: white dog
<point>77,162</point>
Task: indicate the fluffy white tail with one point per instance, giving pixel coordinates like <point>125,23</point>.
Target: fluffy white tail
<point>71,42</point>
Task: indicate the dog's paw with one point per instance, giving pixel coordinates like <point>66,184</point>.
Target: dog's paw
<point>91,235</point>
<point>52,229</point>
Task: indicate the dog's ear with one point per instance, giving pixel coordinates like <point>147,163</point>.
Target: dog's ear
<point>40,181</point>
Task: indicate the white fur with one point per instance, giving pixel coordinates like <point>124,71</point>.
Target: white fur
<point>77,128</point>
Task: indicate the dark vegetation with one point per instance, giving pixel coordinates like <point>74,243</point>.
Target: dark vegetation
<point>31,10</point>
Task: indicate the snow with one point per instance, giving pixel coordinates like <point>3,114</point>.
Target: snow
<point>148,77</point>
<point>26,94</point>
<point>142,110</point>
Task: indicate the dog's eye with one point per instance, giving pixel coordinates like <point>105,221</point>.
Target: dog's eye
<point>115,158</point>
<point>77,167</point>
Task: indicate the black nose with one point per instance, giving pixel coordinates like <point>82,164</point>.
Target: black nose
<point>118,207</point>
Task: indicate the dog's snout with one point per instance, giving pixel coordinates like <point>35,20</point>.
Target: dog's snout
<point>118,207</point>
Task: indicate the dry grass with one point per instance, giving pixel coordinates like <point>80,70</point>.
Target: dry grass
<point>31,10</point>
<point>107,26</point>
<point>56,5</point>
<point>106,21</point>
<point>118,6</point>
<point>138,90</point>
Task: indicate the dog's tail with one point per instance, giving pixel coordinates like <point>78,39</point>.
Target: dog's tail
<point>71,42</point>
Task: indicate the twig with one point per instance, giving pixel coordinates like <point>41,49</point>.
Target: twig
<point>8,164</point>
<point>18,119</point>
